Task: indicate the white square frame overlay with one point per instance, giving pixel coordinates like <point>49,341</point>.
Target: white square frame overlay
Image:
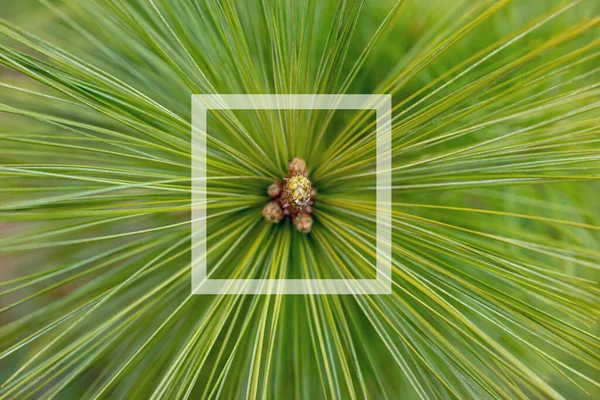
<point>381,104</point>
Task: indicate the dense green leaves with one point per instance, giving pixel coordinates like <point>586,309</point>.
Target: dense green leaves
<point>496,110</point>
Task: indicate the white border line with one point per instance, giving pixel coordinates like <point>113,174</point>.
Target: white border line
<point>382,104</point>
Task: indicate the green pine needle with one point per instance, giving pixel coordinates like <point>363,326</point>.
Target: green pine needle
<point>495,213</point>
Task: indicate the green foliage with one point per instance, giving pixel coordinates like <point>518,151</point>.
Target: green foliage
<point>495,220</point>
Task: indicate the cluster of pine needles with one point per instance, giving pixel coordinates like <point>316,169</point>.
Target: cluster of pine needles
<point>495,199</point>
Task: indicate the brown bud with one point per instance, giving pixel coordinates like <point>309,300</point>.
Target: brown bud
<point>297,166</point>
<point>303,222</point>
<point>272,212</point>
<point>274,190</point>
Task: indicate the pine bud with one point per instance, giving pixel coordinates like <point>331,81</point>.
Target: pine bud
<point>297,166</point>
<point>272,212</point>
<point>274,190</point>
<point>297,192</point>
<point>303,222</point>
